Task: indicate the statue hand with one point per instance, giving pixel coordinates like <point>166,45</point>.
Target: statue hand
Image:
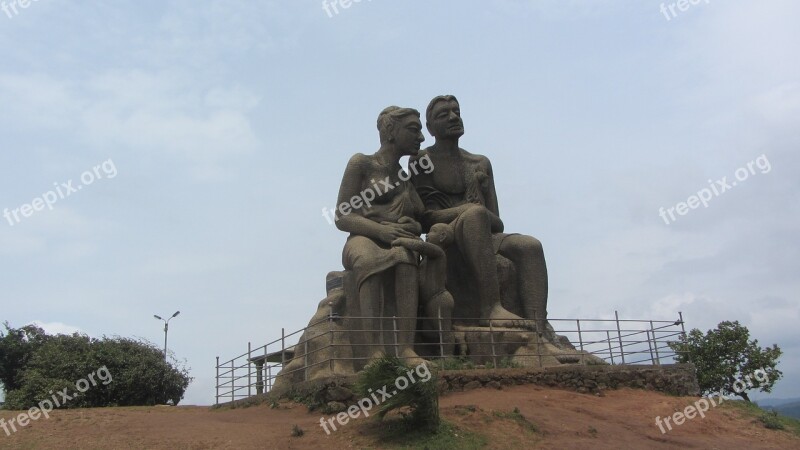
<point>391,233</point>
<point>407,224</point>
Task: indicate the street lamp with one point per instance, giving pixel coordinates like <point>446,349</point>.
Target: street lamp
<point>166,328</point>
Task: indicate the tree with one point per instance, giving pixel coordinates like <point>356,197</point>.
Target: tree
<point>727,361</point>
<point>34,365</point>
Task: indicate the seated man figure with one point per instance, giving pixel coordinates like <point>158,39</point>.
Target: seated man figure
<point>460,191</point>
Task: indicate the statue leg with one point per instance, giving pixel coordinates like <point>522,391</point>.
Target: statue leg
<point>474,240</point>
<point>370,298</point>
<point>528,257</point>
<point>406,288</point>
<point>441,305</point>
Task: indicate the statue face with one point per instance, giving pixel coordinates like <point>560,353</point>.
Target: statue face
<point>446,120</point>
<point>408,135</point>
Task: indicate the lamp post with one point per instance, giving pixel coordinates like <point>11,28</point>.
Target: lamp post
<point>166,328</point>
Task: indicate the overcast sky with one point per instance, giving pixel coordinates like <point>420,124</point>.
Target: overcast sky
<point>220,129</point>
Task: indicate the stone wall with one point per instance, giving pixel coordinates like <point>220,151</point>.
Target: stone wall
<point>335,393</point>
<point>676,379</point>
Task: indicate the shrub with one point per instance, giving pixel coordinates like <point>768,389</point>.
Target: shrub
<point>422,398</point>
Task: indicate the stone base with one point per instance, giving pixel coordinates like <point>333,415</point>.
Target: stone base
<point>515,347</point>
<point>333,392</point>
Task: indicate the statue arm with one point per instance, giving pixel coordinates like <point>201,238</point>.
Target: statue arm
<point>491,201</point>
<point>433,216</point>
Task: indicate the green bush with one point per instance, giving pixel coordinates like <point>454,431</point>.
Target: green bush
<point>35,366</point>
<point>421,397</point>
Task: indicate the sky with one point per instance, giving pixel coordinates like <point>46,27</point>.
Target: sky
<point>176,155</point>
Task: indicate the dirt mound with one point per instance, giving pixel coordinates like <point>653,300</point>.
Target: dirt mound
<point>514,417</point>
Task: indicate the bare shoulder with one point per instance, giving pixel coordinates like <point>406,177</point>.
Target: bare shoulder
<point>360,160</point>
<point>475,158</point>
<point>421,154</point>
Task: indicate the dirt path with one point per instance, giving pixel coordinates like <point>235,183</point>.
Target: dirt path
<point>565,419</point>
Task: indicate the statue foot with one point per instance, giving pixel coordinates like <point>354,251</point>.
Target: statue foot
<point>411,358</point>
<point>501,317</point>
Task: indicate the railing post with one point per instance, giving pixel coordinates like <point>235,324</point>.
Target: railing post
<point>233,380</point>
<point>394,325</point>
<point>538,339</point>
<point>619,336</point>
<point>330,330</point>
<point>283,347</point>
<point>441,337</point>
<point>216,399</point>
<point>655,343</point>
<point>265,369</point>
<point>305,360</point>
<point>580,338</point>
<point>683,333</point>
<point>249,370</point>
<point>491,340</point>
<point>650,346</point>
<point>610,350</point>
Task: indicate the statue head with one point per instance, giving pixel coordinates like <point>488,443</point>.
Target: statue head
<point>390,119</point>
<point>440,234</point>
<point>443,117</point>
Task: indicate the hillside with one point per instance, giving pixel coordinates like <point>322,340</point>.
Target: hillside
<point>514,417</point>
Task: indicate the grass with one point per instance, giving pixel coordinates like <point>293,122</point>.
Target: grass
<point>517,417</point>
<point>400,434</point>
<point>769,419</point>
<point>297,431</point>
<point>505,363</point>
<point>456,364</point>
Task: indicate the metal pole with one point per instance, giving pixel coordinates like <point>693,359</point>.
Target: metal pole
<point>538,339</point>
<point>683,333</point>
<point>330,330</point>
<point>610,351</point>
<point>394,325</point>
<point>233,381</point>
<point>305,360</point>
<point>619,335</point>
<point>580,338</point>
<point>166,328</point>
<point>216,398</point>
<point>650,346</point>
<point>283,347</point>
<point>441,337</point>
<point>266,369</point>
<point>655,343</point>
<point>249,370</point>
<point>491,340</point>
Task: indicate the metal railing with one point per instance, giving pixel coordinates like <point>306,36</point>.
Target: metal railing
<point>614,341</point>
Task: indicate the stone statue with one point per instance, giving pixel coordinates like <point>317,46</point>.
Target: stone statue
<point>385,275</point>
<point>398,288</point>
<point>461,192</point>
